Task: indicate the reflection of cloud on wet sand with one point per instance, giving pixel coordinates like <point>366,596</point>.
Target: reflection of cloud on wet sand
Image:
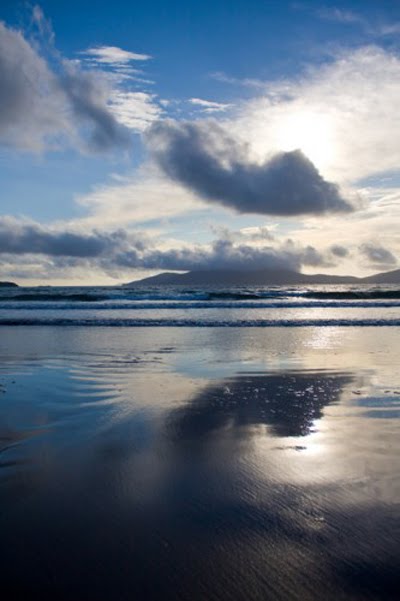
<point>288,403</point>
<point>170,494</point>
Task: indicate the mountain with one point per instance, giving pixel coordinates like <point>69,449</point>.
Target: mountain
<point>390,277</point>
<point>8,285</point>
<point>265,277</point>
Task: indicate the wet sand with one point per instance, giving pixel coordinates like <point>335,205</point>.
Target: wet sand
<point>214,464</point>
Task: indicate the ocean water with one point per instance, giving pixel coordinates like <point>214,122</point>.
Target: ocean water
<point>219,444</point>
<point>202,306</point>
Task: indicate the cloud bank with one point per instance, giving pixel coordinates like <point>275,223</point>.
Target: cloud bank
<point>120,249</point>
<point>205,159</point>
<point>222,254</point>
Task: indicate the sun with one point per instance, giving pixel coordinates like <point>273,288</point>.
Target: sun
<point>312,133</point>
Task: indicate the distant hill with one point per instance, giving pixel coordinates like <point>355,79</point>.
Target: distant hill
<point>390,277</point>
<point>8,285</point>
<point>263,277</point>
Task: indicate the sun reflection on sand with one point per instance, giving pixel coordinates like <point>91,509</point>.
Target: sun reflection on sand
<point>195,457</point>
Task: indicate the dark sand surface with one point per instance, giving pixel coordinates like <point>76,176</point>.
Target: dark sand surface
<point>211,464</point>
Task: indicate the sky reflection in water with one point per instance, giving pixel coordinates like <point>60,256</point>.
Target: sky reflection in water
<point>220,466</point>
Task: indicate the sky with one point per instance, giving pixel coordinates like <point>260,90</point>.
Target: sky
<point>141,137</point>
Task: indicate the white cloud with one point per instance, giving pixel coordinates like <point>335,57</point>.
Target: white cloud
<point>246,82</point>
<point>136,110</point>
<point>374,29</point>
<point>145,196</point>
<point>376,225</point>
<point>209,106</point>
<point>256,234</point>
<point>340,16</point>
<point>343,115</point>
<point>390,29</point>
<point>112,55</point>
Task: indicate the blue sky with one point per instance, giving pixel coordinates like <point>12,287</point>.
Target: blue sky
<point>139,137</point>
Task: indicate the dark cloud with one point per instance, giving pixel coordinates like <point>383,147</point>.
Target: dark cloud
<point>223,254</point>
<point>313,257</point>
<point>87,95</point>
<point>29,97</point>
<point>377,254</point>
<point>43,100</point>
<point>308,255</point>
<point>205,159</point>
<point>18,237</point>
<point>339,251</point>
<point>122,250</point>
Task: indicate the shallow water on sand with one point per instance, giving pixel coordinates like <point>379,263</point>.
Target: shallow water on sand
<point>200,464</point>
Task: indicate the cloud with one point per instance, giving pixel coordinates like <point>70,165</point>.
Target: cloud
<point>135,110</point>
<point>341,114</point>
<point>223,254</point>
<point>207,160</point>
<point>118,63</point>
<point>257,233</point>
<point>236,81</point>
<point>348,17</point>
<point>209,106</point>
<point>381,213</point>
<point>120,251</point>
<point>340,16</point>
<point>249,234</point>
<point>139,198</point>
<point>47,101</point>
<point>339,251</point>
<point>25,237</point>
<point>88,94</point>
<point>388,29</point>
<point>43,25</point>
<point>378,255</point>
<point>112,55</point>
<point>31,102</point>
<point>308,255</point>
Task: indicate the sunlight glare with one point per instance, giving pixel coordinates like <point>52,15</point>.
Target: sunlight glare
<point>311,133</point>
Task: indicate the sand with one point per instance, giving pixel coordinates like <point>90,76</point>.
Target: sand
<point>213,464</point>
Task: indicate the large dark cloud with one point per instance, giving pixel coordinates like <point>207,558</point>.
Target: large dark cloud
<point>43,100</point>
<point>122,250</point>
<point>205,159</point>
<point>223,254</point>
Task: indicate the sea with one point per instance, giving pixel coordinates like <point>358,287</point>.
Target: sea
<point>235,306</point>
<point>200,443</point>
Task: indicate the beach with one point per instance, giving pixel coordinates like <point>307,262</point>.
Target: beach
<point>200,301</point>
<point>200,463</point>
